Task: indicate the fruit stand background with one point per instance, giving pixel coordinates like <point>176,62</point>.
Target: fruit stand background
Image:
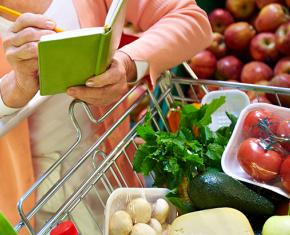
<point>179,71</point>
<point>251,44</point>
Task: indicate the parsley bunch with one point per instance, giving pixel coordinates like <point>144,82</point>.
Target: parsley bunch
<point>173,157</point>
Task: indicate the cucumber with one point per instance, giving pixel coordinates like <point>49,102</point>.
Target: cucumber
<point>5,227</point>
<point>216,189</point>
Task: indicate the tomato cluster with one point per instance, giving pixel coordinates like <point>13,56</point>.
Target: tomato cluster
<point>264,155</point>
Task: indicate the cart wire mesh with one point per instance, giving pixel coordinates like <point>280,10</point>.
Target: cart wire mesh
<point>103,172</point>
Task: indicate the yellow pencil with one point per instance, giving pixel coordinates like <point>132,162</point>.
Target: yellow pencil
<point>17,14</point>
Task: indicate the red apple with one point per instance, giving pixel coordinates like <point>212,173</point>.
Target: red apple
<point>283,66</point>
<point>203,64</point>
<point>229,68</point>
<point>271,17</point>
<point>280,80</point>
<point>263,47</point>
<point>256,71</point>
<point>218,46</point>
<point>287,3</point>
<point>220,19</point>
<point>198,92</point>
<point>241,9</point>
<point>260,99</point>
<point>252,94</point>
<point>238,35</point>
<point>262,3</point>
<point>283,38</point>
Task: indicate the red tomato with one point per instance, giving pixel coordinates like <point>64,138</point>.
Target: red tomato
<point>283,130</point>
<point>261,164</point>
<point>251,126</point>
<point>285,173</point>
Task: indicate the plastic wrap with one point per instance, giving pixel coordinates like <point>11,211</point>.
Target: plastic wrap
<point>230,160</point>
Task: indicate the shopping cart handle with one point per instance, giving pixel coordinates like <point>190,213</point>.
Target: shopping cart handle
<point>5,227</point>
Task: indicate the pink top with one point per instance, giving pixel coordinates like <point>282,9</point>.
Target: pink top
<point>175,31</point>
<point>180,29</point>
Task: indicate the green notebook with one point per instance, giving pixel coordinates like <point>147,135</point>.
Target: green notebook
<point>69,58</point>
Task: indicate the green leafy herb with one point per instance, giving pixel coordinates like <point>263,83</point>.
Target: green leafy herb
<point>174,158</point>
<point>199,117</point>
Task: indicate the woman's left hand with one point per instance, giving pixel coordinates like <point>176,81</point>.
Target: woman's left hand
<point>108,87</point>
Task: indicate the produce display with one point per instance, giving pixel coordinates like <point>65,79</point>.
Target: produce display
<point>187,160</point>
<point>251,44</point>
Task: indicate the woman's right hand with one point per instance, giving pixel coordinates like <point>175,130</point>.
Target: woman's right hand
<point>20,45</point>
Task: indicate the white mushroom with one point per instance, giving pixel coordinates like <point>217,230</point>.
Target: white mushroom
<point>120,223</point>
<point>140,210</point>
<point>142,229</point>
<point>160,210</point>
<point>154,223</point>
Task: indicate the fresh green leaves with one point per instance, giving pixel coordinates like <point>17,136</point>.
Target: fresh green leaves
<point>199,117</point>
<point>171,157</point>
<point>184,206</point>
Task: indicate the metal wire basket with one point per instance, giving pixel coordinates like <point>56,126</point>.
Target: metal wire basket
<point>88,193</point>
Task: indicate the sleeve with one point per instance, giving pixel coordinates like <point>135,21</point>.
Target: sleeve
<point>11,117</point>
<point>173,31</point>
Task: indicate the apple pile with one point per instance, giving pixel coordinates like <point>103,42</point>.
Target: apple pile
<point>251,44</point>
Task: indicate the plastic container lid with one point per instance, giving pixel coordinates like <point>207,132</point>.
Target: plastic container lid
<point>236,101</point>
<point>64,228</point>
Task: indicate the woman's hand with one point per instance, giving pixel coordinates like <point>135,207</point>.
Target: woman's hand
<point>20,45</point>
<point>108,87</point>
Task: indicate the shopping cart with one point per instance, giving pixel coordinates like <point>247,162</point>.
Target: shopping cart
<point>103,171</point>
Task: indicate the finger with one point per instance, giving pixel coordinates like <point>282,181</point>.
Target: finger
<point>27,67</point>
<point>110,77</point>
<point>32,20</point>
<point>98,96</point>
<point>26,35</point>
<point>85,94</point>
<point>24,52</point>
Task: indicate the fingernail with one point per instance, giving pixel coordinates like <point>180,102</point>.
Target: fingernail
<point>50,24</point>
<point>90,83</point>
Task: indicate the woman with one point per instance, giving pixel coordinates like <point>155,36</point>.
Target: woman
<point>173,31</point>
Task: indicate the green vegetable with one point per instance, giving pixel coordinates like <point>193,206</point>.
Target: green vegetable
<point>215,189</point>
<point>5,227</point>
<point>175,158</point>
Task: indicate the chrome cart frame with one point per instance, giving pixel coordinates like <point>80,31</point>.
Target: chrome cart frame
<point>104,174</point>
